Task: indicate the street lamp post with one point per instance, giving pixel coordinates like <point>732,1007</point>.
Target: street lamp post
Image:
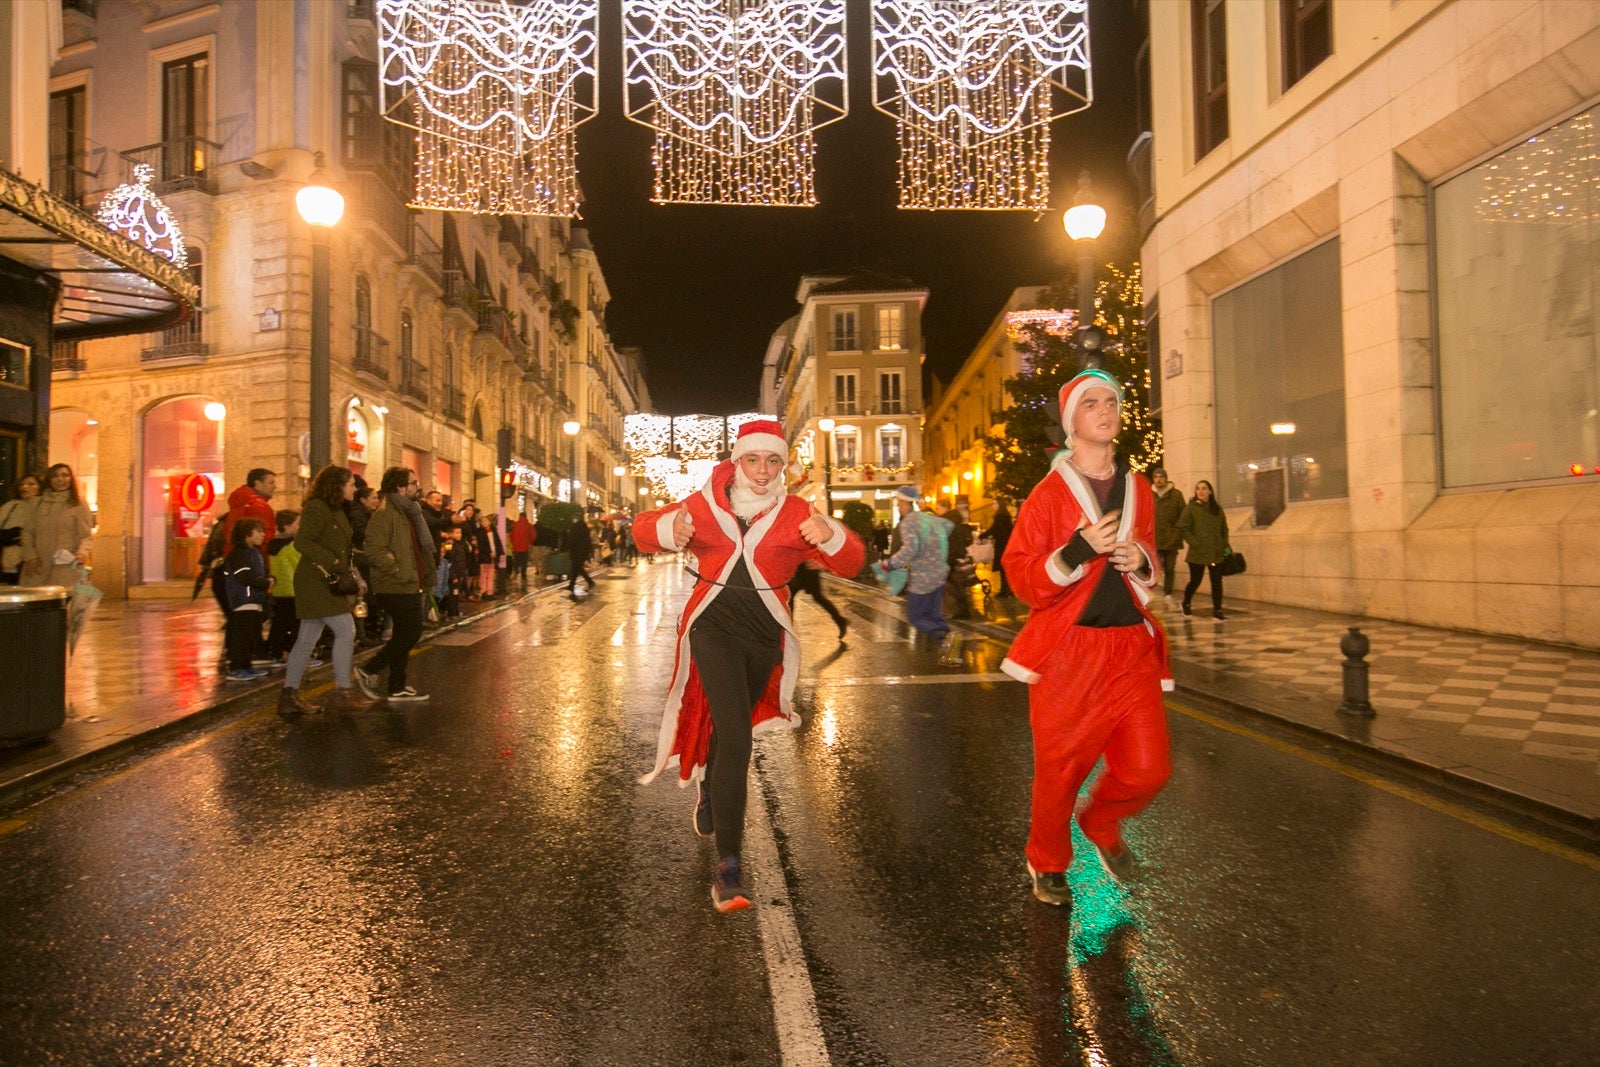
<point>826,426</point>
<point>321,205</point>
<point>571,428</point>
<point>1084,222</point>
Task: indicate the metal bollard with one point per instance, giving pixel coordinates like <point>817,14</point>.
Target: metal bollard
<point>1355,647</point>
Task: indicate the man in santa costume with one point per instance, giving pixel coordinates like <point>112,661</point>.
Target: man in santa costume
<point>737,655</point>
<point>1083,557</point>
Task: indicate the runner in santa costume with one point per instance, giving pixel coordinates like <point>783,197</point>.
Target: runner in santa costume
<point>737,655</point>
<point>1083,557</point>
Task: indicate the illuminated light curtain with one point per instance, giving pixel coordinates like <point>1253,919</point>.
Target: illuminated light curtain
<point>675,455</point>
<point>137,213</point>
<point>733,90</point>
<point>974,87</point>
<point>1552,176</point>
<point>496,92</point>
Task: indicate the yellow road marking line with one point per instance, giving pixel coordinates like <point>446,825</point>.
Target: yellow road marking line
<point>1416,796</point>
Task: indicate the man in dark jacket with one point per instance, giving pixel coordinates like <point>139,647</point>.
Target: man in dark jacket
<point>1169,505</point>
<point>580,546</point>
<point>999,532</point>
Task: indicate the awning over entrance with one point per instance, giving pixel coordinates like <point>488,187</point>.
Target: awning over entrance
<point>109,285</point>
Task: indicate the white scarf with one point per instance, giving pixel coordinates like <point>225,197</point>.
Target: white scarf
<point>747,501</point>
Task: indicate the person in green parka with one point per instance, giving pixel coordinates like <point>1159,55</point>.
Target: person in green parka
<point>1169,507</point>
<point>325,548</point>
<point>1204,528</point>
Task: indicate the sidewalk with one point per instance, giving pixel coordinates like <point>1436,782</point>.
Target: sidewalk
<point>147,669</point>
<point>1516,721</point>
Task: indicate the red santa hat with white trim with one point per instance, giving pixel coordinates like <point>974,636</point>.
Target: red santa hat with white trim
<point>760,435</point>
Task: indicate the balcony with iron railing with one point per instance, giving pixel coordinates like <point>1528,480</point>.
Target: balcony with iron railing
<point>178,345</point>
<point>413,379</point>
<point>425,255</point>
<point>536,454</point>
<point>532,372</point>
<point>181,163</point>
<point>66,358</point>
<point>511,236</point>
<point>371,355</point>
<point>459,293</point>
<point>529,266</point>
<point>455,404</point>
<point>376,203</point>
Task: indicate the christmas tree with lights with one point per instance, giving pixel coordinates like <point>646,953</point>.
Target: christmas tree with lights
<point>1022,451</point>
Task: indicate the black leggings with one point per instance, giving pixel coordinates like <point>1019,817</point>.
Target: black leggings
<point>406,611</point>
<point>734,672</point>
<point>1195,571</point>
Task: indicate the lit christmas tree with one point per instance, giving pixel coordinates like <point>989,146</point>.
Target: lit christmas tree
<point>1022,451</point>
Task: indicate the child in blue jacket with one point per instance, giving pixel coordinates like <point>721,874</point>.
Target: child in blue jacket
<point>246,584</point>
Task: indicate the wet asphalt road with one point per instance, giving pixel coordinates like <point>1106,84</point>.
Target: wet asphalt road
<point>479,880</point>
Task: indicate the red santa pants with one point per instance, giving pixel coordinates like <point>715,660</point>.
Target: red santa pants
<point>1099,695</point>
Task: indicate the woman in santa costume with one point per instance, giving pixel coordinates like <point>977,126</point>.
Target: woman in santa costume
<point>1083,557</point>
<point>737,655</point>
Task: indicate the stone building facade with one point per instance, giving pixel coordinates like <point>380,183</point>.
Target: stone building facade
<point>1372,280</point>
<point>854,356</point>
<point>446,328</point>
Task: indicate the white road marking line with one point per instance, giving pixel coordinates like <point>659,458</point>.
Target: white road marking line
<point>915,679</point>
<point>794,1004</point>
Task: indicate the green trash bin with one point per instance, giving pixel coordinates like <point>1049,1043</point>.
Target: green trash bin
<point>557,565</point>
<point>33,632</point>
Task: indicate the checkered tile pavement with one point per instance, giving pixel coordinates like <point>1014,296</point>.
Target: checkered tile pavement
<point>1538,699</point>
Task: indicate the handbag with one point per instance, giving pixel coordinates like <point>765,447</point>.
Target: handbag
<point>1232,563</point>
<point>342,582</point>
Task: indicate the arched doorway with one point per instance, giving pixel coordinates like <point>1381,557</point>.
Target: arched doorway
<point>75,441</point>
<point>358,439</point>
<point>182,480</point>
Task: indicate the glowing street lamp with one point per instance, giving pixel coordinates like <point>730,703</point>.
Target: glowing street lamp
<point>1084,222</point>
<point>321,205</point>
<point>826,426</point>
<point>571,428</point>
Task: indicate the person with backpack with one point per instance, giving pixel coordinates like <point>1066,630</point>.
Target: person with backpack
<point>246,584</point>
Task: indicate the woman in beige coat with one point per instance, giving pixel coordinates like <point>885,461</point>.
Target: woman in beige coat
<point>62,533</point>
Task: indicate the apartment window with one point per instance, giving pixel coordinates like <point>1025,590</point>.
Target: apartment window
<point>891,448</point>
<point>844,393</point>
<point>1279,347</point>
<point>1210,57</point>
<point>890,400</point>
<point>1307,27</point>
<point>844,332</point>
<point>185,116</point>
<point>68,142</point>
<point>362,121</point>
<point>1515,261</point>
<point>846,447</point>
<point>407,340</point>
<point>891,327</point>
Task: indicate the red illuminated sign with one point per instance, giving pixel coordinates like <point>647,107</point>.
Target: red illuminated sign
<point>195,493</point>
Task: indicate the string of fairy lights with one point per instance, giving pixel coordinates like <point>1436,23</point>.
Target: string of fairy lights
<point>1553,176</point>
<point>735,91</point>
<point>137,213</point>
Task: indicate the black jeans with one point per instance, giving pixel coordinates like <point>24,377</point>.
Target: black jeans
<point>406,611</point>
<point>1195,571</point>
<point>580,569</point>
<point>1169,568</point>
<point>734,672</point>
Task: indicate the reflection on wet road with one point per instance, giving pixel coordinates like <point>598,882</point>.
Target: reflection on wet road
<point>480,880</point>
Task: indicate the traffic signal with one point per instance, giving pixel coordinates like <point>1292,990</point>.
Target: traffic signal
<point>508,485</point>
<point>502,449</point>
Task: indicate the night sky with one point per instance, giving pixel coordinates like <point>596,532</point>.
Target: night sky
<point>701,289</point>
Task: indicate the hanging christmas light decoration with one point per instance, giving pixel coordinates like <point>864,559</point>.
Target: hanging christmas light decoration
<point>137,213</point>
<point>496,92</point>
<point>675,455</point>
<point>1053,322</point>
<point>1553,176</point>
<point>974,87</point>
<point>733,90</point>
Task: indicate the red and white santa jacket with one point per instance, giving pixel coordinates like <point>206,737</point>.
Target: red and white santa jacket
<point>1059,506</point>
<point>772,550</point>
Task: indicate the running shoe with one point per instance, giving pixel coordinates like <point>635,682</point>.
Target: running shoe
<point>1121,865</point>
<point>1050,886</point>
<point>407,695</point>
<point>727,889</point>
<point>242,676</point>
<point>950,651</point>
<point>367,681</point>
